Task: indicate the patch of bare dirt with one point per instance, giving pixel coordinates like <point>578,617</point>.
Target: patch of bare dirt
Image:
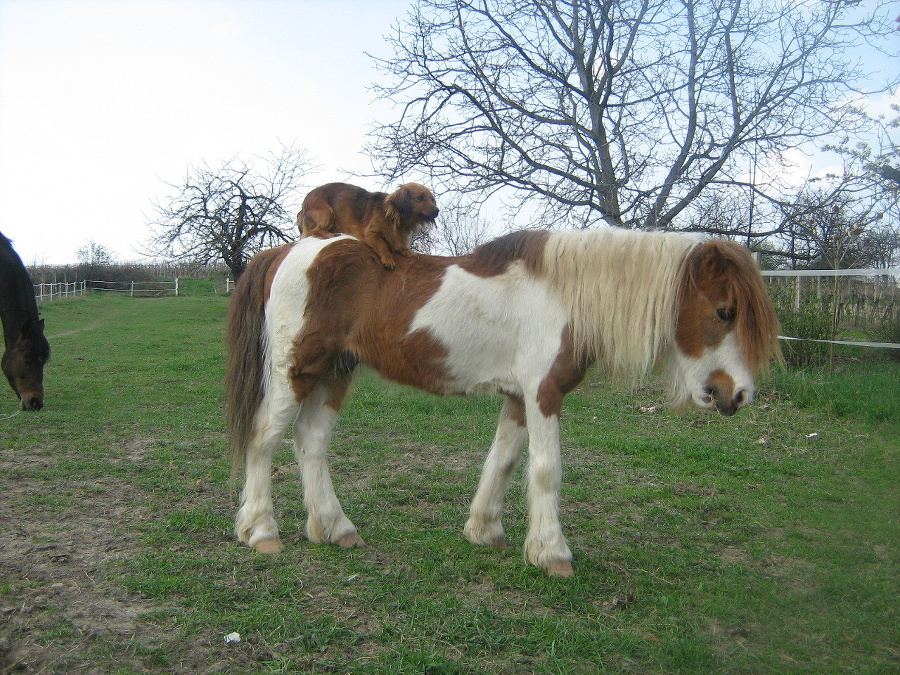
<point>59,611</point>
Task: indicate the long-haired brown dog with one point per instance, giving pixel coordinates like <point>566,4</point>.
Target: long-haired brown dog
<point>386,222</point>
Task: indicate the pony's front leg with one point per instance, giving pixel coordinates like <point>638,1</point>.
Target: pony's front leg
<point>326,521</point>
<point>545,545</point>
<point>484,526</point>
<point>255,521</point>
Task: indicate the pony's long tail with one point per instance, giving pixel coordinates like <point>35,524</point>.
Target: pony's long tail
<point>245,351</point>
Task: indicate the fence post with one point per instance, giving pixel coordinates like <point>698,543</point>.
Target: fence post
<point>797,296</point>
<point>176,287</point>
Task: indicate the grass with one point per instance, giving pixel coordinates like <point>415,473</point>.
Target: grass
<point>766,542</point>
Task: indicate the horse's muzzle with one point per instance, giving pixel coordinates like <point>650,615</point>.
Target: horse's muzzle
<point>32,403</point>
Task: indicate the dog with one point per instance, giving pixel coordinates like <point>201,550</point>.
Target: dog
<point>386,222</point>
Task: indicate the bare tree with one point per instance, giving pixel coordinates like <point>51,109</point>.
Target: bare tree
<point>828,227</point>
<point>620,110</point>
<point>458,230</point>
<point>229,213</point>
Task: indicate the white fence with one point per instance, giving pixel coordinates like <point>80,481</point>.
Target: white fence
<point>73,289</point>
<point>63,289</point>
<point>133,288</point>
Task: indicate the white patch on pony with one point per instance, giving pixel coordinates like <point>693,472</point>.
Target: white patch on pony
<point>501,332</point>
<point>691,374</point>
<point>289,292</point>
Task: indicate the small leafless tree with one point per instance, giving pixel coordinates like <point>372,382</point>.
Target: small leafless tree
<point>624,111</point>
<point>828,228</point>
<point>228,213</point>
<point>457,231</point>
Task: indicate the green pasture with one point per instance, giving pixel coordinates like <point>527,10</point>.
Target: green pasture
<point>762,543</point>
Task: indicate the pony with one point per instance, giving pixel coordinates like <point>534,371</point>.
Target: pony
<point>524,315</point>
<point>26,348</point>
<point>386,222</point>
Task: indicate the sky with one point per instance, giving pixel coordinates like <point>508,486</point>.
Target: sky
<point>104,102</point>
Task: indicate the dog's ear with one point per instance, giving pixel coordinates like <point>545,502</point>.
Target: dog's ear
<point>401,199</point>
<point>393,208</point>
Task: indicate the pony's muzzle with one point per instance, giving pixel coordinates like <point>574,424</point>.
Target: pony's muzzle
<point>722,399</point>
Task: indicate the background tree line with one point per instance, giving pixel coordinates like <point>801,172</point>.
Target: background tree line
<point>579,113</point>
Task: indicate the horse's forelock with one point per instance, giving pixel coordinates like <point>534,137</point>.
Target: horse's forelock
<point>725,264</point>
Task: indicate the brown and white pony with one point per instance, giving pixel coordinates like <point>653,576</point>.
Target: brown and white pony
<point>524,315</point>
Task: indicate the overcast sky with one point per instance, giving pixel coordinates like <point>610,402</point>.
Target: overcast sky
<point>103,101</point>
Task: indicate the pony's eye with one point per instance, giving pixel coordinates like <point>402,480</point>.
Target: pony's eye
<point>726,315</point>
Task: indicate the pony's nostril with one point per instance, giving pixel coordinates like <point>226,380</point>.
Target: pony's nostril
<point>740,398</point>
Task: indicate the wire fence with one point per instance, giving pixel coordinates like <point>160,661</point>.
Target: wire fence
<point>853,299</point>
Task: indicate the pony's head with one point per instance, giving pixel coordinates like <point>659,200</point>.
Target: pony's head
<point>23,364</point>
<point>725,327</point>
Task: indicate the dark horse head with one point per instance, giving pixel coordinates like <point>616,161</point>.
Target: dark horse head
<point>27,350</point>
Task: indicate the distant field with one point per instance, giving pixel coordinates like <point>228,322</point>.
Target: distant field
<point>766,542</point>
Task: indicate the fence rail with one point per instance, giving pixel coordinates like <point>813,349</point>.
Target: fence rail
<point>869,272</point>
<point>62,289</point>
<point>71,289</point>
<point>133,288</point>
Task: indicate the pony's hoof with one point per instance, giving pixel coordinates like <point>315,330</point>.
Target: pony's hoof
<point>269,546</point>
<point>559,569</point>
<point>352,540</point>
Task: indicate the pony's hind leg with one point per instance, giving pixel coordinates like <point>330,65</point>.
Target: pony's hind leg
<point>255,522</point>
<point>326,521</point>
<point>484,526</point>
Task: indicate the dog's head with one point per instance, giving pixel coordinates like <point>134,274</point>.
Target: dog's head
<point>414,203</point>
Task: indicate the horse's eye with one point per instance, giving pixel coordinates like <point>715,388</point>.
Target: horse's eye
<point>726,315</point>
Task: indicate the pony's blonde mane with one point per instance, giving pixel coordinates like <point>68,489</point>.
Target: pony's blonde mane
<point>620,289</point>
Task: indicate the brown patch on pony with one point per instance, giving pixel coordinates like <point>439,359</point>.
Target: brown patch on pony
<point>341,282</point>
<point>720,386</point>
<point>386,222</point>
<point>494,257</point>
<point>245,354</point>
<point>721,290</point>
<point>382,338</point>
<point>565,374</point>
<point>354,305</point>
